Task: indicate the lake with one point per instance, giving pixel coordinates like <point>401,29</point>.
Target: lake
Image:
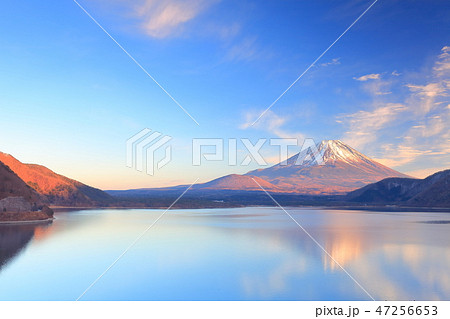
<point>228,254</point>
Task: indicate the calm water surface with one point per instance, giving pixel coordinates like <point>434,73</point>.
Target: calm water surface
<point>228,254</point>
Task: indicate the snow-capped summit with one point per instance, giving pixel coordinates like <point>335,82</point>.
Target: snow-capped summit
<point>335,150</point>
<point>326,152</point>
<point>328,168</point>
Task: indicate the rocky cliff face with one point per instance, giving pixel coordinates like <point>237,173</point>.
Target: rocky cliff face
<point>17,209</point>
<point>15,204</point>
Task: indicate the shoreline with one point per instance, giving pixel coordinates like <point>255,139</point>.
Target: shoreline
<point>36,221</point>
<point>363,208</point>
<point>381,209</point>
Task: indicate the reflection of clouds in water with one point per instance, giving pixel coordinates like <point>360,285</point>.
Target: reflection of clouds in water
<point>428,265</point>
<point>407,272</point>
<point>276,281</point>
<point>374,279</point>
<point>288,261</point>
<point>392,261</point>
<point>404,270</point>
<point>346,244</point>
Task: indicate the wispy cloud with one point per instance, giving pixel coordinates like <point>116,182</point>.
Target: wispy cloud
<point>378,87</point>
<point>164,18</point>
<point>271,123</point>
<point>226,32</point>
<point>443,64</point>
<point>364,125</point>
<point>244,50</point>
<point>373,76</point>
<point>422,173</point>
<point>243,47</point>
<point>423,98</point>
<point>398,155</point>
<point>334,61</point>
<point>423,118</point>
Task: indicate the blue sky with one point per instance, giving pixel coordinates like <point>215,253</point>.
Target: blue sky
<point>70,97</point>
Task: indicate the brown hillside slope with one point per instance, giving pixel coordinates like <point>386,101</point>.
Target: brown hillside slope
<point>57,189</point>
<point>12,186</point>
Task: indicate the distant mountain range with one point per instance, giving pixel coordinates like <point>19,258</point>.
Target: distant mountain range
<point>341,170</point>
<point>38,183</point>
<point>433,191</point>
<point>345,176</point>
<point>237,182</point>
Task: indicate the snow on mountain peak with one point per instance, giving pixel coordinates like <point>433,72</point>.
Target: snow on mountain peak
<point>328,167</point>
<point>328,152</point>
<point>335,150</point>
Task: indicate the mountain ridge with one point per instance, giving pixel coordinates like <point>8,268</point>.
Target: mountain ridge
<point>433,190</point>
<point>53,188</point>
<point>12,185</point>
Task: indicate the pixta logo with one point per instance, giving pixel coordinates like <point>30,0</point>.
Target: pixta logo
<point>141,149</point>
<point>213,149</point>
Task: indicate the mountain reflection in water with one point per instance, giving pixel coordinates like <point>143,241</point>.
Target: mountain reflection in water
<point>15,237</point>
<point>252,253</point>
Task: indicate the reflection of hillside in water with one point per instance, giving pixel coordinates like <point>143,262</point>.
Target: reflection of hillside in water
<point>14,238</point>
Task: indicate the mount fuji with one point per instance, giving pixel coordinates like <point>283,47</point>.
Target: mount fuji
<point>336,168</point>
